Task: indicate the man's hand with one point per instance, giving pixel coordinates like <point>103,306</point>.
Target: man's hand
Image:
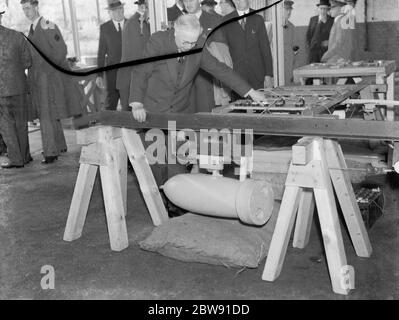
<point>139,113</point>
<point>100,82</point>
<point>257,96</point>
<point>268,83</point>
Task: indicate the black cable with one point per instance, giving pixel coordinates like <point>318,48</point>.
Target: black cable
<point>145,60</point>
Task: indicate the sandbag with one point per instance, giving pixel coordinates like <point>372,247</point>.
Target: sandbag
<point>216,241</point>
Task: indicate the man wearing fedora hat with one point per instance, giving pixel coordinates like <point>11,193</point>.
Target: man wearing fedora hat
<point>342,40</point>
<point>318,32</point>
<point>136,33</point>
<point>290,49</point>
<point>14,60</point>
<point>110,53</point>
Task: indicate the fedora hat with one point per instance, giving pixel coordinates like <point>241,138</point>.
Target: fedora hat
<point>288,3</point>
<point>114,4</point>
<point>324,3</point>
<point>338,3</point>
<point>208,3</point>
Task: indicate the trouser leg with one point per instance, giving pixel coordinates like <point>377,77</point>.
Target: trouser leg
<point>59,136</point>
<point>124,96</point>
<point>47,126</point>
<point>3,147</point>
<point>21,120</point>
<point>8,129</point>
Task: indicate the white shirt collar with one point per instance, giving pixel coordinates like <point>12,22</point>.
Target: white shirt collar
<point>240,13</point>
<point>198,14</point>
<point>35,22</point>
<point>116,24</point>
<point>180,7</point>
<point>322,20</point>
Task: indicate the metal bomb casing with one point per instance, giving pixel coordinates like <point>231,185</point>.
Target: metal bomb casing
<point>250,201</point>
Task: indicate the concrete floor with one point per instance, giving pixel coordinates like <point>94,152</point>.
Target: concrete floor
<point>34,204</point>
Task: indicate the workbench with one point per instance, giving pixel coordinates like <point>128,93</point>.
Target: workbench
<point>379,72</point>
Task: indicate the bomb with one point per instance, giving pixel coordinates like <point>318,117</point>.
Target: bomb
<point>250,201</point>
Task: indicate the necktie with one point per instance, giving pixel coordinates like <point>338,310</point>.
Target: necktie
<point>243,22</point>
<point>119,28</point>
<point>31,31</point>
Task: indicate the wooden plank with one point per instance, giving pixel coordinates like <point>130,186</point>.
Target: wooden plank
<point>391,96</point>
<point>302,152</point>
<point>346,197</point>
<point>121,158</point>
<point>93,154</point>
<point>80,202</point>
<point>330,226</point>
<point>112,192</point>
<point>92,135</point>
<point>262,125</point>
<point>148,186</point>
<point>348,71</point>
<point>304,219</point>
<point>282,233</point>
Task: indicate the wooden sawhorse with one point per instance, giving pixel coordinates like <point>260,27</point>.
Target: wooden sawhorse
<point>315,164</point>
<point>107,148</point>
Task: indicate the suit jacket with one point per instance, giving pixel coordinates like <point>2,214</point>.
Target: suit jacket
<point>109,51</point>
<point>249,49</point>
<point>342,42</point>
<point>47,85</point>
<point>173,13</point>
<point>203,97</point>
<point>134,38</point>
<point>14,59</point>
<point>158,85</point>
<point>315,35</point>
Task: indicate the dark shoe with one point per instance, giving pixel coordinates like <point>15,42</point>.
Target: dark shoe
<point>50,159</point>
<point>30,159</point>
<point>9,165</point>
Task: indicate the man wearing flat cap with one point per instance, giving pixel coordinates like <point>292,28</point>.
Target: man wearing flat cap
<point>54,95</point>
<point>110,53</point>
<point>342,40</point>
<point>318,32</point>
<point>135,35</point>
<point>14,60</point>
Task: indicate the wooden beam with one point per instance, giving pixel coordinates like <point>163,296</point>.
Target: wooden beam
<point>263,125</point>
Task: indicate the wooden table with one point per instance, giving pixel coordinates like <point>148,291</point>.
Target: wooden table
<point>382,71</point>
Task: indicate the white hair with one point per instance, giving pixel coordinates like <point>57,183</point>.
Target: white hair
<point>188,22</point>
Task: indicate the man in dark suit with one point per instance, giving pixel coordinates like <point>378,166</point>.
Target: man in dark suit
<point>249,46</point>
<point>318,32</point>
<point>203,98</point>
<point>110,52</point>
<point>176,11</point>
<point>135,35</point>
<point>14,60</point>
<point>164,86</point>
